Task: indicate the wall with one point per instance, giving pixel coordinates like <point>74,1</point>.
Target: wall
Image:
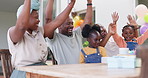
<point>7,20</point>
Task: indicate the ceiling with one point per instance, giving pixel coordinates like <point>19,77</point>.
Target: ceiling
<point>12,5</point>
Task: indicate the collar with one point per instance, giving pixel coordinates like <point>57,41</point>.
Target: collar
<point>133,40</point>
<point>34,33</point>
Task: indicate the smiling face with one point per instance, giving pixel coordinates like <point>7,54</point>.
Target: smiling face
<point>94,39</point>
<point>103,31</point>
<point>34,21</point>
<point>128,33</point>
<point>67,27</point>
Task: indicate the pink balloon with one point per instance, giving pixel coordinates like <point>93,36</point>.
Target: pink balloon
<point>143,28</point>
<point>140,21</point>
<point>141,10</point>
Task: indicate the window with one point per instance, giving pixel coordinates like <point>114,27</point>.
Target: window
<point>83,13</point>
<point>44,8</point>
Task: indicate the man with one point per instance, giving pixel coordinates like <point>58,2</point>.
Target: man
<point>26,40</point>
<point>66,44</point>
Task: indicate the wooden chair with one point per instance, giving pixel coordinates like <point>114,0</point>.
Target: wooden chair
<point>54,62</point>
<point>142,52</point>
<point>6,62</point>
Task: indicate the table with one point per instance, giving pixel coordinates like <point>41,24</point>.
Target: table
<point>78,71</point>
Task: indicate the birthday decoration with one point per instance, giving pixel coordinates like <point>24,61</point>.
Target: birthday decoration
<point>142,14</point>
<point>86,44</point>
<point>77,21</point>
<point>140,21</point>
<point>141,10</point>
<point>146,18</point>
<point>143,28</point>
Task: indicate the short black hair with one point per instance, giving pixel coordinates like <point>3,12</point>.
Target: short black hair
<point>88,29</point>
<point>126,26</point>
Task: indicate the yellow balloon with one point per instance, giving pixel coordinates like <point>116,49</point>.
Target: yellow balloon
<point>75,23</point>
<point>76,19</point>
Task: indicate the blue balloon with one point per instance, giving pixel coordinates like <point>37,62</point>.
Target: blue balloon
<point>143,28</point>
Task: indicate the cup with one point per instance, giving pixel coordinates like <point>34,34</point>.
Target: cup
<point>123,50</point>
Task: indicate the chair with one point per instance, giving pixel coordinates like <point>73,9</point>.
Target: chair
<point>51,56</point>
<point>6,62</point>
<point>142,52</point>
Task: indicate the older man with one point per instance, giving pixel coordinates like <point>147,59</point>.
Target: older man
<point>26,39</point>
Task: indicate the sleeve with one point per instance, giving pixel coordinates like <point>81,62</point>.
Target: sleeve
<point>102,51</point>
<point>51,41</point>
<point>11,45</point>
<point>142,38</point>
<point>81,58</point>
<point>119,41</point>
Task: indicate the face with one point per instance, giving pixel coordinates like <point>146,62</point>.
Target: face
<point>34,21</point>
<point>103,31</point>
<point>94,39</point>
<point>128,33</point>
<point>67,27</point>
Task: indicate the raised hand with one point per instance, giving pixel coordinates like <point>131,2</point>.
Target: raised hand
<point>72,2</point>
<point>112,28</point>
<point>89,1</point>
<point>132,21</point>
<point>115,17</point>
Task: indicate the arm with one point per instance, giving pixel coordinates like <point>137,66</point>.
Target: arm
<point>17,32</point>
<point>132,21</point>
<point>111,31</point>
<point>50,27</point>
<point>143,37</point>
<point>88,16</point>
<point>49,10</point>
<point>118,39</point>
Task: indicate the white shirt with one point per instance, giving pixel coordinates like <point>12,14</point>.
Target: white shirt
<point>31,49</point>
<point>66,49</point>
<point>111,47</point>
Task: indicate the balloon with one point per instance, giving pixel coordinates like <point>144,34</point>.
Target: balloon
<point>146,18</point>
<point>140,21</point>
<point>141,10</point>
<point>143,28</point>
<point>80,22</point>
<point>76,19</point>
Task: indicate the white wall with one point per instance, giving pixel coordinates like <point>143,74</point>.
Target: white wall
<point>104,9</point>
<point>6,20</point>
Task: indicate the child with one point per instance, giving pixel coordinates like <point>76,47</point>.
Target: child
<point>94,52</point>
<point>129,41</point>
<point>107,42</point>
